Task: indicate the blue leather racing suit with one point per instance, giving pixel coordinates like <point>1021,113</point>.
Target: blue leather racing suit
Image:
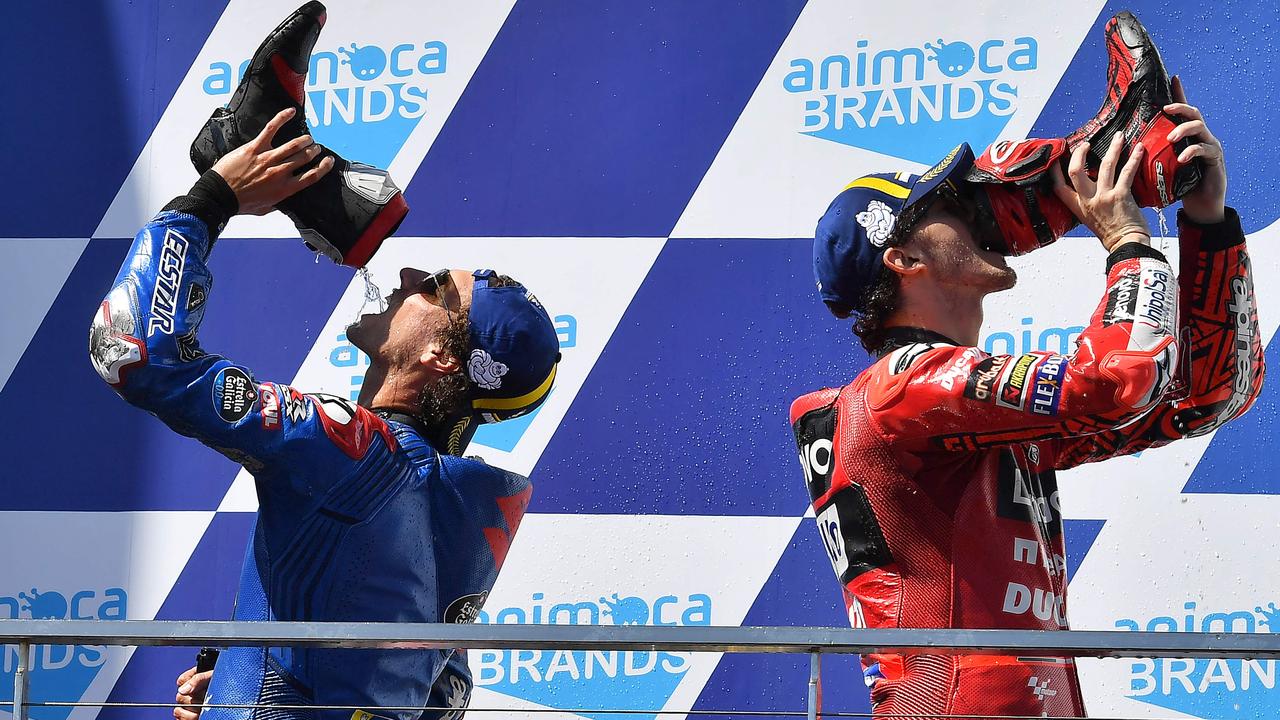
<point>360,518</point>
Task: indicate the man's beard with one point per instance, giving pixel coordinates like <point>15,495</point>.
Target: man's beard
<point>1005,280</point>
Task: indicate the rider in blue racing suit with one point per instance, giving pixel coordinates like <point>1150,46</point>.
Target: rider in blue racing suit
<point>366,511</point>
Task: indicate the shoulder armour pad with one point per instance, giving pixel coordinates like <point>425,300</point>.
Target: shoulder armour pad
<point>886,379</point>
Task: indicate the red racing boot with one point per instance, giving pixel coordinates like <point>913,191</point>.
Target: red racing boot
<point>1013,190</point>
<point>1138,90</point>
<point>352,209</point>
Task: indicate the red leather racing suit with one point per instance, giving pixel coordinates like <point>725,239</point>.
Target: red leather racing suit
<point>932,474</point>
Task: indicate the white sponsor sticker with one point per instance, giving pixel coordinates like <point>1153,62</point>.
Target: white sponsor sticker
<point>1155,311</point>
<point>833,539</point>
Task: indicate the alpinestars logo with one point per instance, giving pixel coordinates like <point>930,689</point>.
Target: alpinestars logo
<point>1240,310</point>
<point>594,681</point>
<point>912,102</point>
<point>354,85</point>
<point>1216,688</point>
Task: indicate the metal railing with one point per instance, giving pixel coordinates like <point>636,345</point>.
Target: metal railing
<point>814,642</point>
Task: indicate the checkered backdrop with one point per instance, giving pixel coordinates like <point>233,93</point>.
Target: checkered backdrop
<point>653,171</point>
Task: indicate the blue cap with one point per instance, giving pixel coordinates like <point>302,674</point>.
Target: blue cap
<point>514,350</point>
<point>870,214</point>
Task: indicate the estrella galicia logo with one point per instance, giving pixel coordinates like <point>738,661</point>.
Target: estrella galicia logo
<point>596,681</point>
<point>1208,688</point>
<point>357,85</point>
<point>59,672</point>
<point>466,608</point>
<point>233,394</point>
<point>914,102</point>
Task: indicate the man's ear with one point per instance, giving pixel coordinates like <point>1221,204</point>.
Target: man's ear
<point>435,359</point>
<point>902,260</point>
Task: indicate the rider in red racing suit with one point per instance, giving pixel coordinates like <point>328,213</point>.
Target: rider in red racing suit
<point>932,473</point>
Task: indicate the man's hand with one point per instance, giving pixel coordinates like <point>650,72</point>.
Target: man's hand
<point>1107,206</point>
<point>262,176</point>
<point>1206,204</point>
<point>192,686</point>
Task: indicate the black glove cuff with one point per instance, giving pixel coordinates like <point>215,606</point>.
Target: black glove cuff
<point>1226,233</point>
<point>210,200</point>
<point>1131,250</point>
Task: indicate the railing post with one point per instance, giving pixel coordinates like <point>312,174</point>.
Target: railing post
<point>20,682</point>
<point>815,680</point>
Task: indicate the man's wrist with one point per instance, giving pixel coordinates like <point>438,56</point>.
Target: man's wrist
<point>1131,237</point>
<point>1131,250</point>
<point>211,200</point>
<point>1212,236</point>
<point>1203,216</point>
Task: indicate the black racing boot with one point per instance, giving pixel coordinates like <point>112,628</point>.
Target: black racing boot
<point>352,209</point>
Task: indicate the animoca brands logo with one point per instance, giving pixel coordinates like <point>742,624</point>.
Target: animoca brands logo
<point>913,102</point>
<point>59,672</point>
<point>1209,688</point>
<point>364,96</point>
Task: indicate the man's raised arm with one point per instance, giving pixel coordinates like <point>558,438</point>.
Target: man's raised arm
<point>143,338</point>
<point>1224,350</point>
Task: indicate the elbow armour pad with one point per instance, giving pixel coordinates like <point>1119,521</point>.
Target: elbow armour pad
<point>352,209</point>
<point>1142,377</point>
<point>1013,194</point>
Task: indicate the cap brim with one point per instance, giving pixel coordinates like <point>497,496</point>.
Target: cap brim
<point>949,171</point>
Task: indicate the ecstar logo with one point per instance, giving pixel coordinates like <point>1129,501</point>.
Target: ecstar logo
<point>164,299</point>
<point>59,672</point>
<point>913,102</point>
<point>354,85</point>
<point>592,680</point>
<point>1215,688</point>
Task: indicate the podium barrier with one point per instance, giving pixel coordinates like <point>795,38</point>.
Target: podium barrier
<point>795,640</point>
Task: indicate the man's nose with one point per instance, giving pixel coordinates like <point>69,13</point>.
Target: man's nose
<point>411,277</point>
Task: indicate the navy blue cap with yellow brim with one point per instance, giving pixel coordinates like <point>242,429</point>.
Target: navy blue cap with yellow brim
<point>514,350</point>
<point>870,214</point>
<point>512,359</point>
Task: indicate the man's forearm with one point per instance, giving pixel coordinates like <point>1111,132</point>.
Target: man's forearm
<point>143,340</point>
<point>1221,317</point>
<point>211,200</point>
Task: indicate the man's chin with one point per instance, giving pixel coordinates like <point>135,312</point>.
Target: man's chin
<point>1009,276</point>
<point>1000,280</point>
<point>356,331</point>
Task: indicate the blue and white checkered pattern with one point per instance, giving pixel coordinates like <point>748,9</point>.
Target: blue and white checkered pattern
<point>653,173</point>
